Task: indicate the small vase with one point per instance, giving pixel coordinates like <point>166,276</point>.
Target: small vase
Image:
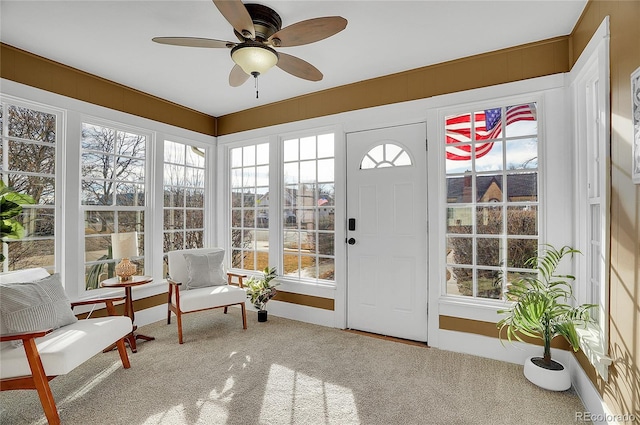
<point>262,315</point>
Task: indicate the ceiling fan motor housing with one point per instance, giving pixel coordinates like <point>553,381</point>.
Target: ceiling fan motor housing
<point>266,21</point>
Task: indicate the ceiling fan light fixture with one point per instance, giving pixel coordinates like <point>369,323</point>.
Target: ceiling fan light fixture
<point>254,58</point>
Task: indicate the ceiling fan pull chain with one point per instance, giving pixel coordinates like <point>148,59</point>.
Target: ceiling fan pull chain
<point>256,83</point>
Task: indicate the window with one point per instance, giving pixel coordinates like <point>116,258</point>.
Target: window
<point>250,207</point>
<point>491,164</point>
<point>113,194</point>
<point>590,90</point>
<point>308,208</point>
<point>29,142</point>
<point>385,155</point>
<point>184,194</point>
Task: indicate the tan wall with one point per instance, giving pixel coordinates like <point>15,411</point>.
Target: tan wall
<point>517,63</point>
<point>622,392</point>
<point>35,71</point>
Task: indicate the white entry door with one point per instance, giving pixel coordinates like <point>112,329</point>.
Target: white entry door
<point>387,231</point>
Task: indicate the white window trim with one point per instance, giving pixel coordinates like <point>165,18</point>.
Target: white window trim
<point>592,65</point>
<point>60,167</point>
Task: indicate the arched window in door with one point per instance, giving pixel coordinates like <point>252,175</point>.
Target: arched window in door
<point>385,155</point>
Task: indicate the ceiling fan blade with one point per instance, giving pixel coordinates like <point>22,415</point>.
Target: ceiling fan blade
<point>238,16</point>
<point>309,31</point>
<point>237,76</point>
<point>298,67</point>
<point>194,42</point>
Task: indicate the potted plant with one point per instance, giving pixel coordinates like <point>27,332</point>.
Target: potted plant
<point>261,290</point>
<point>542,309</point>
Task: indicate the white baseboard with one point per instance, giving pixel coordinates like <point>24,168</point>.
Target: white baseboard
<point>595,408</point>
<point>301,313</point>
<point>151,315</point>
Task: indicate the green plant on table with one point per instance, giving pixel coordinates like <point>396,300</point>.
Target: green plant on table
<point>542,303</point>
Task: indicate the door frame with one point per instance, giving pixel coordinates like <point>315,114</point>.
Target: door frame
<point>425,202</point>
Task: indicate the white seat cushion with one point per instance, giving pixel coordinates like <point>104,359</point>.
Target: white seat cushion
<point>67,347</point>
<point>210,297</point>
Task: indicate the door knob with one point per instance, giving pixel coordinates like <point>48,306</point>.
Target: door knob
<point>351,241</point>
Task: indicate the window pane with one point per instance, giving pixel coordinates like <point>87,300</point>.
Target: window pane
<point>31,157</point>
<point>522,120</point>
<point>248,156</point>
<point>195,156</point>
<point>460,282</point>
<point>325,170</point>
<point>520,250</point>
<point>291,173</point>
<point>522,187</point>
<point>459,220</point>
<point>129,194</point>
<point>325,145</point>
<point>522,154</point>
<point>31,124</point>
<point>522,220</point>
<point>460,189</point>
<point>489,220</point>
<point>194,198</point>
<point>37,222</point>
<point>489,252</point>
<point>489,156</point>
<point>290,150</point>
<point>24,254</point>
<point>262,154</point>
<point>130,144</point>
<point>461,250</point>
<point>307,148</point>
<point>460,165</point>
<point>489,284</point>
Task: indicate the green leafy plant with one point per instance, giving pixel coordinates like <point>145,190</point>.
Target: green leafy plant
<point>261,290</point>
<point>542,306</point>
<point>10,207</point>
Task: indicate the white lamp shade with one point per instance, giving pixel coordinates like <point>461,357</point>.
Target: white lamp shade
<point>124,245</point>
<point>254,58</point>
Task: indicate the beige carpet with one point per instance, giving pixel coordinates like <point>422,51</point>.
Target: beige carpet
<point>287,372</point>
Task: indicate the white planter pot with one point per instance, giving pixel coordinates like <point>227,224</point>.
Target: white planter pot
<point>554,380</point>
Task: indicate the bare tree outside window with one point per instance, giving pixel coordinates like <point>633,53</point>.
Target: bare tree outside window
<point>113,194</point>
<point>29,167</point>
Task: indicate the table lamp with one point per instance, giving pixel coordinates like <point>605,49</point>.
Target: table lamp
<point>125,246</point>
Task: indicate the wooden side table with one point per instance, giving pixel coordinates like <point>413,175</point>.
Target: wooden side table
<point>114,282</point>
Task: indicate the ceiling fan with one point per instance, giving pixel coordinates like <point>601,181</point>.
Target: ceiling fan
<point>258,29</point>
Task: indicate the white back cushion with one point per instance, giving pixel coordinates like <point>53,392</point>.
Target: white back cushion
<point>26,275</point>
<point>178,265</point>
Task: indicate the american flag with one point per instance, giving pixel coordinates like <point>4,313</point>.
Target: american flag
<point>487,127</point>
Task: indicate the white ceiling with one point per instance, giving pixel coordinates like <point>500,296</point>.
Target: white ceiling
<point>112,39</point>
